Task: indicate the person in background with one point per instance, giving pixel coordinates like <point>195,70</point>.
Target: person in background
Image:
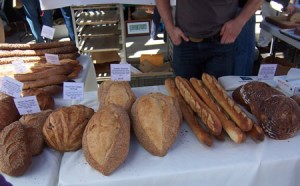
<point>245,47</point>
<point>204,33</point>
<point>66,12</point>
<point>155,23</point>
<point>33,12</point>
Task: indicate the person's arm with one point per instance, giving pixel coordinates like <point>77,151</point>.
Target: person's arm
<point>232,28</point>
<point>165,11</point>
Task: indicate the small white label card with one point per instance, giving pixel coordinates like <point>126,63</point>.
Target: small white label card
<point>47,32</point>
<point>267,71</point>
<point>52,58</point>
<point>19,66</point>
<point>27,105</point>
<point>73,91</point>
<point>120,72</point>
<point>11,87</point>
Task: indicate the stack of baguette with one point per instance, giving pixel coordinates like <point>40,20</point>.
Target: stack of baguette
<point>40,73</point>
<point>207,100</point>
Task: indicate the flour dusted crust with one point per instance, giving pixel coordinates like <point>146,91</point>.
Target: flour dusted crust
<point>116,92</point>
<point>33,124</point>
<point>156,121</point>
<point>64,127</point>
<point>15,154</point>
<point>106,139</point>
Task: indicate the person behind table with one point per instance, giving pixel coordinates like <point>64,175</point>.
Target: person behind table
<point>245,47</point>
<point>204,34</point>
<point>33,12</point>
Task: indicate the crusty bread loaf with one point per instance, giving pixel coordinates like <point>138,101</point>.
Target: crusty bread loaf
<point>106,139</point>
<point>296,98</point>
<point>188,114</point>
<point>15,155</point>
<point>45,100</point>
<point>226,102</point>
<point>232,130</point>
<point>280,117</point>
<point>33,124</point>
<point>8,111</point>
<point>64,127</point>
<point>209,118</point>
<point>156,122</point>
<point>116,92</point>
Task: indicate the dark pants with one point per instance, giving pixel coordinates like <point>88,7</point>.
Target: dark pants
<point>66,12</point>
<point>192,59</point>
<point>155,23</point>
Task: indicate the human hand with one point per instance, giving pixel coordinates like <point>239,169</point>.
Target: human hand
<point>230,31</point>
<point>290,9</point>
<point>176,35</point>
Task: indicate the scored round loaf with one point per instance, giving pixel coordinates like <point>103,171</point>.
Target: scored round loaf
<point>156,120</point>
<point>8,112</point>
<point>15,155</point>
<point>64,127</point>
<point>33,124</point>
<point>106,139</point>
<point>280,117</point>
<point>296,98</point>
<point>116,92</point>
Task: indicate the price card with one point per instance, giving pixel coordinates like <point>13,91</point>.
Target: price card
<point>73,91</point>
<point>47,32</point>
<point>52,58</point>
<point>11,87</point>
<point>19,66</point>
<point>267,71</point>
<point>120,72</point>
<point>27,105</point>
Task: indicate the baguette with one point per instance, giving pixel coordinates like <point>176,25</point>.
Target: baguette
<point>231,108</point>
<point>257,133</point>
<point>188,114</point>
<point>35,46</point>
<point>208,117</point>
<point>232,130</point>
<point>53,71</point>
<point>52,80</point>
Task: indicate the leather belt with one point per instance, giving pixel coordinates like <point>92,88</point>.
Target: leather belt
<point>195,39</point>
<point>215,37</point>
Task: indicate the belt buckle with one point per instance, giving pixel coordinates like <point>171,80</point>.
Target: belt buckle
<point>195,39</point>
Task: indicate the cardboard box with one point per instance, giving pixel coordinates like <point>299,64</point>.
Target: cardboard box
<point>290,87</point>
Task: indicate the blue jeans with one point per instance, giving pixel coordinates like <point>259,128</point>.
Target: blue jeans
<point>192,59</point>
<point>33,12</point>
<point>155,23</point>
<point>66,12</point>
<point>245,48</point>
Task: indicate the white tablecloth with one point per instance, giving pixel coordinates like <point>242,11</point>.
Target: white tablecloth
<point>189,162</point>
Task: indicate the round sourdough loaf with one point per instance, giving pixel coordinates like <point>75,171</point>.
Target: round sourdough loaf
<point>8,111</point>
<point>64,127</point>
<point>33,124</point>
<point>15,155</point>
<point>116,92</point>
<point>156,120</point>
<point>106,139</point>
<point>280,117</point>
<point>296,98</point>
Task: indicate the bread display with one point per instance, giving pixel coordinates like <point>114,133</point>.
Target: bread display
<point>8,111</point>
<point>208,117</point>
<point>106,139</point>
<point>64,127</point>
<point>33,125</point>
<point>188,114</point>
<point>156,120</point>
<point>116,92</point>
<point>280,117</point>
<point>15,154</point>
<point>234,132</point>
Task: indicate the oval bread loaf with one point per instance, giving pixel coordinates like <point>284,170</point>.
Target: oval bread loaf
<point>156,120</point>
<point>106,139</point>
<point>15,155</point>
<point>64,127</point>
<point>116,92</point>
<point>8,111</point>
